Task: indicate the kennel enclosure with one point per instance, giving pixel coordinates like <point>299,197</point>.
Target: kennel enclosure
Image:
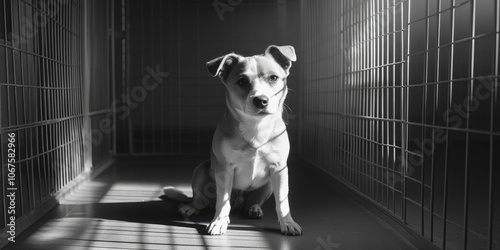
<point>395,99</point>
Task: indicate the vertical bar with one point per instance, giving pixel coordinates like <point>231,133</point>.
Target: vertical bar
<point>198,92</point>
<point>362,99</point>
<point>179,80</point>
<point>85,85</point>
<point>16,85</point>
<point>382,91</point>
<point>124,61</point>
<point>390,31</point>
<point>171,60</point>
<point>303,43</point>
<point>469,94</point>
<point>7,50</point>
<point>450,99</point>
<point>57,100</point>
<point>153,137</point>
<point>374,96</point>
<point>367,98</point>
<point>53,82</point>
<point>494,98</point>
<point>143,115</point>
<point>394,124</point>
<point>375,92</point>
<point>424,120</point>
<point>113,76</point>
<point>44,92</point>
<point>127,75</point>
<point>2,108</point>
<point>434,110</point>
<point>385,124</point>
<point>162,126</point>
<point>343,87</point>
<point>71,86</point>
<point>23,80</point>
<point>404,105</point>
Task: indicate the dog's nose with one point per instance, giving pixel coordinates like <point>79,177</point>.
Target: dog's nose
<point>260,102</point>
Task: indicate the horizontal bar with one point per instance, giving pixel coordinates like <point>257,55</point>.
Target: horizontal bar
<point>354,116</point>
<point>439,12</point>
<point>67,143</point>
<point>58,62</point>
<point>100,112</point>
<point>468,130</point>
<point>37,124</point>
<point>38,87</point>
<point>453,43</point>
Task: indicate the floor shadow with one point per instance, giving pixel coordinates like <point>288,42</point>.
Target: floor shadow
<point>160,212</point>
<point>149,212</point>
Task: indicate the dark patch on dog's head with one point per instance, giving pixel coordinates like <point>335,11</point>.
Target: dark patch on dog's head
<point>222,66</point>
<point>283,55</point>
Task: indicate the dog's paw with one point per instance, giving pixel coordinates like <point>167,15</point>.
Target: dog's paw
<point>290,228</point>
<point>255,212</point>
<point>187,210</point>
<point>218,226</point>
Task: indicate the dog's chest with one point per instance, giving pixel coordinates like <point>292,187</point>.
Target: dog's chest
<point>252,167</point>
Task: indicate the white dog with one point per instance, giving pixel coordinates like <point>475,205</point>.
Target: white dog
<point>250,146</point>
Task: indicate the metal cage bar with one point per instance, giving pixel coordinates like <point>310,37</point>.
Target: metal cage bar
<point>41,99</point>
<point>34,87</point>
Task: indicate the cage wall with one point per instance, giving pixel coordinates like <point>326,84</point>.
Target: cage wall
<point>173,103</point>
<point>400,103</point>
<point>42,100</point>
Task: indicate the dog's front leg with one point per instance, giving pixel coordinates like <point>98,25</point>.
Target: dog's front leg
<point>224,175</point>
<point>279,180</point>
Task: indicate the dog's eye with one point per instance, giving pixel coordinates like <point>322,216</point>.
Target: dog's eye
<point>273,78</point>
<point>243,81</point>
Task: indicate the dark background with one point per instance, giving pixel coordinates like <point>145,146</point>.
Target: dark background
<point>179,37</point>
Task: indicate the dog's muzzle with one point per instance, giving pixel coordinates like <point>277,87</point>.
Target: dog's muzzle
<point>260,102</point>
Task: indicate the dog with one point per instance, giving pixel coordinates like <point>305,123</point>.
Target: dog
<point>250,145</point>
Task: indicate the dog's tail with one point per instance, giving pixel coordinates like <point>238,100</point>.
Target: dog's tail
<point>175,194</point>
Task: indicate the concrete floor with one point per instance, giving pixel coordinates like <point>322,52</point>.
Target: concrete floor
<point>120,209</point>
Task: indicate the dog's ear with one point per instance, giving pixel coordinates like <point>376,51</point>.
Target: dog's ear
<point>283,55</point>
<point>222,66</point>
